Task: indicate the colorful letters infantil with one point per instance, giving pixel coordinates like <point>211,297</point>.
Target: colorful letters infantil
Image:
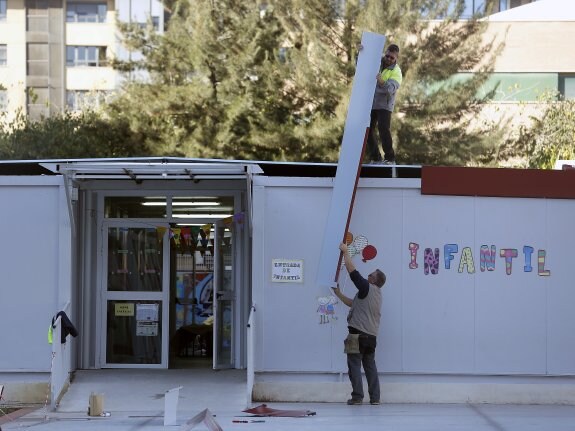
<point>465,260</point>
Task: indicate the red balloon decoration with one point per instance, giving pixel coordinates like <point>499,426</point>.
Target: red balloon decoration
<point>368,253</point>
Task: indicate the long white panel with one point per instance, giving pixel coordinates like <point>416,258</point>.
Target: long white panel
<point>350,155</point>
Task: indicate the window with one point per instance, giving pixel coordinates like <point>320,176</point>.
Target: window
<point>567,86</point>
<point>139,12</point>
<point>3,55</point>
<point>155,23</point>
<point>472,7</point>
<point>86,12</point>
<point>3,9</point>
<point>283,54</point>
<point>516,3</point>
<point>92,56</point>
<point>37,7</point>
<point>80,100</point>
<point>3,100</point>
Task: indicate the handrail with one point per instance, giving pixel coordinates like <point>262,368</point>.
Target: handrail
<point>251,327</point>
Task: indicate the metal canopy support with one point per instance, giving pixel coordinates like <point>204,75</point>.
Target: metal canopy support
<point>71,194</point>
<point>251,171</point>
<point>132,176</point>
<point>192,176</point>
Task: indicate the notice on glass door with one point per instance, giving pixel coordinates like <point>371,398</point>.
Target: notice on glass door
<point>124,309</point>
<point>146,329</point>
<point>147,312</point>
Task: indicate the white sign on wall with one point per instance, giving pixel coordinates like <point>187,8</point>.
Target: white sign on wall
<point>287,271</point>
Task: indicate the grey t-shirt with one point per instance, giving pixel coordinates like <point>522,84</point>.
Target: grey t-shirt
<point>365,311</point>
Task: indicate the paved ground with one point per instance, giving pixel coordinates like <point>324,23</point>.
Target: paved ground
<point>135,401</point>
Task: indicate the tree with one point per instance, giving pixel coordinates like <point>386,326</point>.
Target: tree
<point>272,80</point>
<point>549,137</point>
<point>553,135</point>
<point>213,88</point>
<point>67,135</point>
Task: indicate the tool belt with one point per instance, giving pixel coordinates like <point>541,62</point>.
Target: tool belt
<point>359,342</point>
<point>351,344</point>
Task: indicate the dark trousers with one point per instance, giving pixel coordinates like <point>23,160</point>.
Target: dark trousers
<point>365,357</point>
<point>380,119</point>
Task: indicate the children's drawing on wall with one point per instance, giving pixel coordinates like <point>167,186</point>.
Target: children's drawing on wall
<point>359,245</point>
<point>326,308</point>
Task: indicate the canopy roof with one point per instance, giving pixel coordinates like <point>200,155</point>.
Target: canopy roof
<point>176,168</point>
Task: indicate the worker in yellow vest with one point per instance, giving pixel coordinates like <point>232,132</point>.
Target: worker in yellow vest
<point>388,82</point>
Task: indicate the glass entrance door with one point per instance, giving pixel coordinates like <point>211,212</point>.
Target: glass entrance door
<point>192,271</point>
<point>135,296</point>
<point>224,297</point>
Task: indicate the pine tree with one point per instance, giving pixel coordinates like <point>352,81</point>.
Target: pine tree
<point>212,89</point>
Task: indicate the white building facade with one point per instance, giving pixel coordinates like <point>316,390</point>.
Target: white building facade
<point>477,304</point>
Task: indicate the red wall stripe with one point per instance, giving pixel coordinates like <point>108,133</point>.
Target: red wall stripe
<point>498,182</point>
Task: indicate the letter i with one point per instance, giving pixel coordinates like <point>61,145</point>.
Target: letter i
<point>413,247</point>
<point>527,251</point>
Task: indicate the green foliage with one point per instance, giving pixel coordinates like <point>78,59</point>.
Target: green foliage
<point>554,135</point>
<point>549,137</point>
<point>66,136</point>
<point>233,79</point>
<point>214,89</point>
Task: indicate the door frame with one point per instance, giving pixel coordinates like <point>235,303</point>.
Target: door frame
<point>105,295</point>
<point>241,262</point>
<point>224,295</point>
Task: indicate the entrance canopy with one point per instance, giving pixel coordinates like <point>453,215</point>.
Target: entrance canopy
<point>180,168</point>
<point>152,169</point>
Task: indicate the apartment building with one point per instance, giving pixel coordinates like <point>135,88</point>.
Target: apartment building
<point>54,54</point>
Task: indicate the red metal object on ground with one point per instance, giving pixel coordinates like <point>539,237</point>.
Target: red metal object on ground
<point>263,410</point>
